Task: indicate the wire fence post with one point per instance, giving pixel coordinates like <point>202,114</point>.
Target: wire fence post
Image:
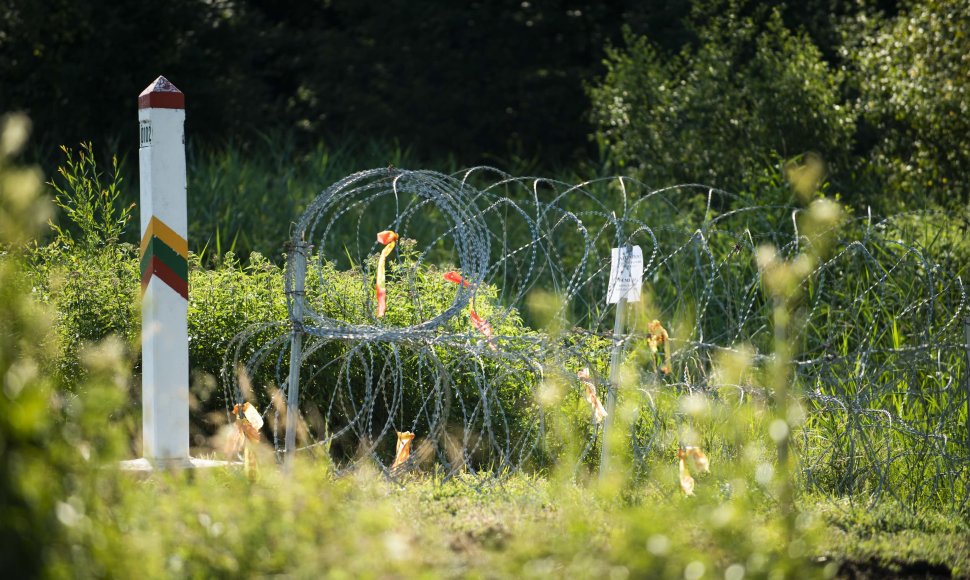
<point>615,362</point>
<point>626,278</point>
<point>966,371</point>
<point>297,309</point>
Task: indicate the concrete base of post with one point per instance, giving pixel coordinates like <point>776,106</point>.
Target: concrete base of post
<point>144,465</point>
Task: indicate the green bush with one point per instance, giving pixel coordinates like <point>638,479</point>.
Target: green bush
<point>90,207</point>
<point>751,90</point>
<point>912,75</point>
<point>85,273</point>
<point>48,438</point>
<point>470,373</point>
<point>93,293</point>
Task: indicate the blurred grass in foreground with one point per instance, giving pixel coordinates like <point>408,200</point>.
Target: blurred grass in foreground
<point>219,524</point>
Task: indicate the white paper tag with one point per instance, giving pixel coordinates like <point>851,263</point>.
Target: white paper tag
<point>626,275</point>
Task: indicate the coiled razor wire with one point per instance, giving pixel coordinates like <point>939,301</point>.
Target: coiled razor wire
<point>881,353</point>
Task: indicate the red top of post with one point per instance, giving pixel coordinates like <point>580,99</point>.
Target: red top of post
<point>161,94</point>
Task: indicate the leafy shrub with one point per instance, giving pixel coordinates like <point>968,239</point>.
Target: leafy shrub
<point>48,439</point>
<point>91,208</point>
<point>913,79</point>
<point>344,374</point>
<point>86,274</point>
<point>717,113</point>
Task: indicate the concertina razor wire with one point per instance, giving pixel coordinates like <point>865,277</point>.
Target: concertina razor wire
<point>449,369</point>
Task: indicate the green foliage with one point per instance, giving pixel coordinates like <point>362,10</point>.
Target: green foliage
<point>66,513</point>
<point>417,293</point>
<point>224,301</point>
<point>85,274</point>
<point>48,439</point>
<point>751,90</point>
<point>94,295</point>
<point>27,485</point>
<point>912,75</point>
<point>479,82</point>
<point>90,207</point>
<point>893,539</point>
<point>243,197</point>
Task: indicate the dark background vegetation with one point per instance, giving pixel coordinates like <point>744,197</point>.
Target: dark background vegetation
<point>705,90</point>
<point>448,77</point>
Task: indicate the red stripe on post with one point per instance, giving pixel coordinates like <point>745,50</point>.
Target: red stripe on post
<point>165,274</point>
<point>161,101</point>
<point>161,94</point>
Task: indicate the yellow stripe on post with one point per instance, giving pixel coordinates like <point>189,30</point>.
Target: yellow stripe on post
<point>157,228</point>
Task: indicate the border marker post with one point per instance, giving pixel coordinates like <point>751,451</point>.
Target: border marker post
<point>164,274</point>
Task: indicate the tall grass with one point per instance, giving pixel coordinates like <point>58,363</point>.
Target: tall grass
<point>243,200</point>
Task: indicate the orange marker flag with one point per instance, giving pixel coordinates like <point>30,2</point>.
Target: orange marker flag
<point>599,413</point>
<point>247,426</point>
<point>389,239</point>
<point>658,338</point>
<point>455,277</point>
<point>698,458</point>
<point>686,481</point>
<point>403,448</point>
<point>248,421</point>
<point>700,461</point>
<point>480,324</point>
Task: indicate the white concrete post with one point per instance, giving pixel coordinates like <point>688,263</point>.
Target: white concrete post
<point>164,273</point>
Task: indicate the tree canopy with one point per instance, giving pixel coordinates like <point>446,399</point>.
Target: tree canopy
<point>706,90</point>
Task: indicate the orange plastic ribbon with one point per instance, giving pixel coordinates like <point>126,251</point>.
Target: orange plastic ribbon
<point>248,421</point>
<point>700,461</point>
<point>247,426</point>
<point>659,337</point>
<point>455,277</point>
<point>403,448</point>
<point>389,239</point>
<point>480,324</point>
<point>599,413</point>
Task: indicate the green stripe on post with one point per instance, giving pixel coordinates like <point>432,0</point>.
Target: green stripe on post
<point>176,263</point>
